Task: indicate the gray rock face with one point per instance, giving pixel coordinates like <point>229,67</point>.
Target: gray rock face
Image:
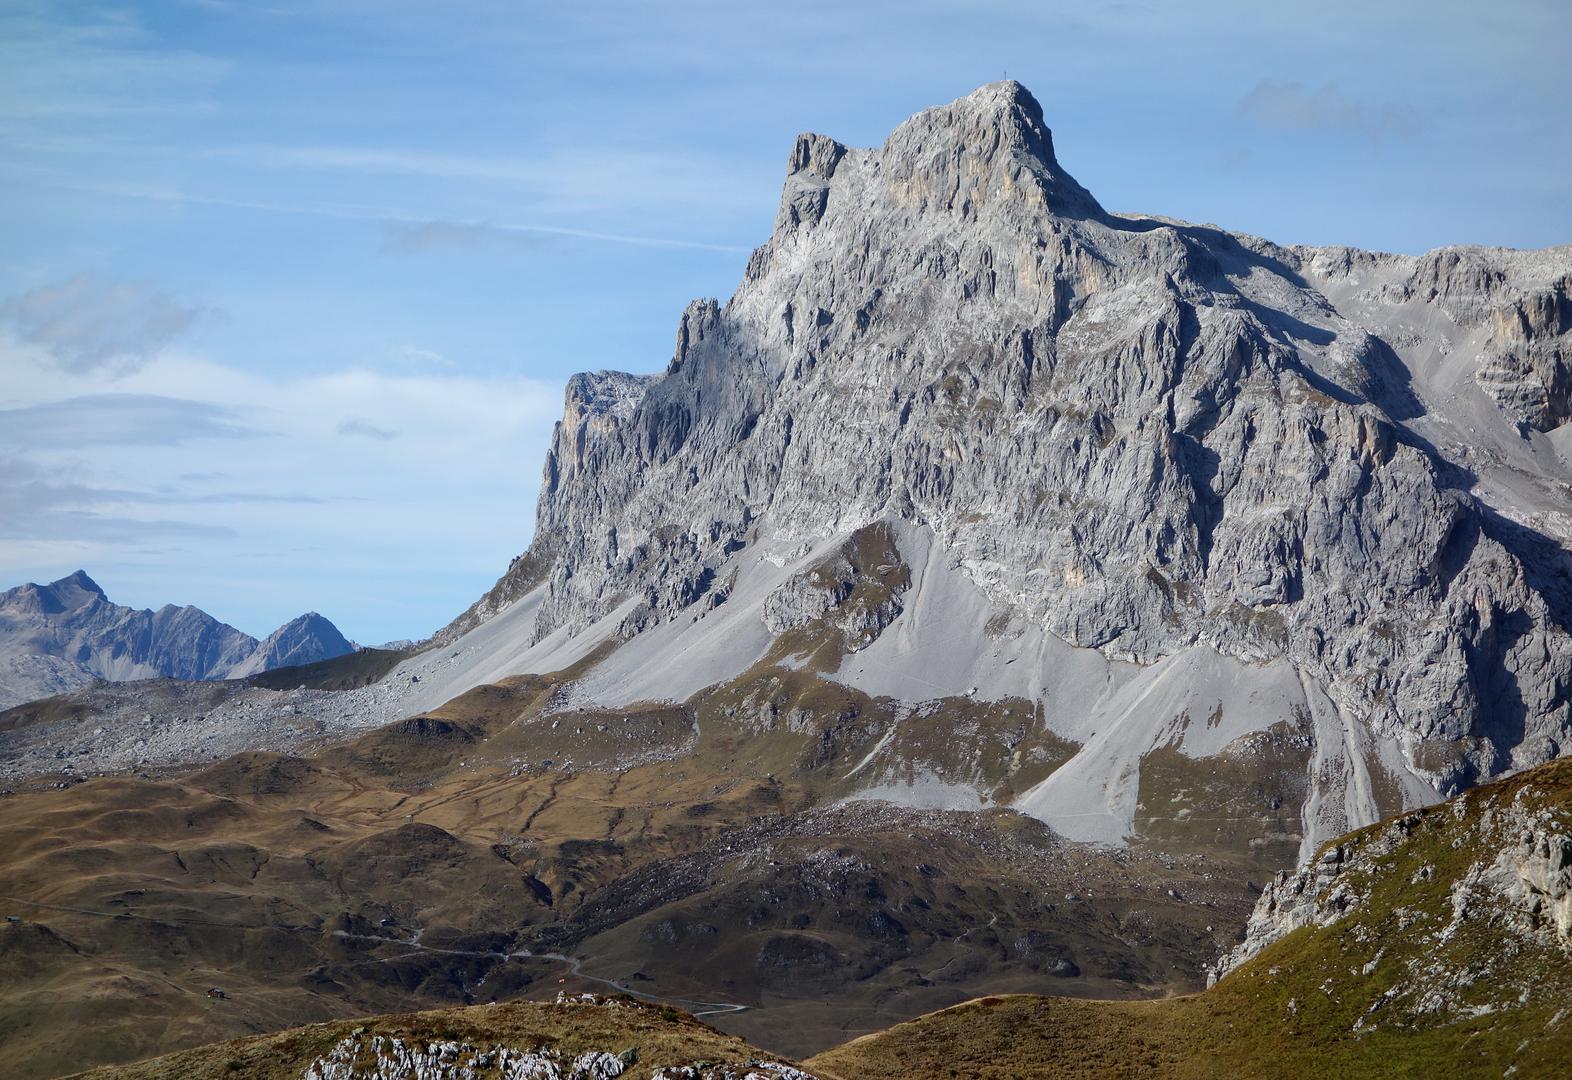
<point>60,636</point>
<point>1138,435</point>
<point>963,434</point>
<point>856,591</point>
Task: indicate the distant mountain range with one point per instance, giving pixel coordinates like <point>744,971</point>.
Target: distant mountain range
<point>57,637</point>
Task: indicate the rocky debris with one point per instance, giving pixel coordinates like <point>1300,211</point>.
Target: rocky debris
<point>389,1057</point>
<point>753,1070</point>
<point>599,1001</point>
<point>1427,885</point>
<point>58,637</point>
<point>363,1056</point>
<point>158,723</point>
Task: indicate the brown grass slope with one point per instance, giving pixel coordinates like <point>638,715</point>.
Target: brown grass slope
<point>354,669</point>
<point>680,852</point>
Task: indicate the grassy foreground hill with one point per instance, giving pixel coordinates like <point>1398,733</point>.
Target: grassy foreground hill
<point>1435,943</point>
<point>578,1038</point>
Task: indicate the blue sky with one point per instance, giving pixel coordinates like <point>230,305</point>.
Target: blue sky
<point>288,291</point>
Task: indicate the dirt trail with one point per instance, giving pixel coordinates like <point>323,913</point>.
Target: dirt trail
<point>575,968</point>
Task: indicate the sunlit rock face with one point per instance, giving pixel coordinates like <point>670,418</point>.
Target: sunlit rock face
<point>1317,488</point>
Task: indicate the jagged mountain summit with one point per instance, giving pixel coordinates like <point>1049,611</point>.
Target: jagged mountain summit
<point>1187,493</point>
<point>64,635</point>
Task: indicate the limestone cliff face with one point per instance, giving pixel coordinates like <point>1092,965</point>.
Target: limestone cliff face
<point>1135,434</point>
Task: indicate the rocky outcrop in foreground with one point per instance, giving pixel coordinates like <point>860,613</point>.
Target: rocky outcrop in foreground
<point>1471,901</point>
<point>386,1057</point>
<point>578,1037</point>
<point>362,1057</point>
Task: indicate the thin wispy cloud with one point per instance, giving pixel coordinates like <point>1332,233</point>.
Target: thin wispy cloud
<point>388,162</point>
<point>1296,107</point>
<point>94,64</point>
<point>360,428</point>
<point>119,420</point>
<point>515,234</point>
<point>395,218</point>
<point>168,497</point>
<point>557,177</point>
<point>414,358</point>
<point>411,238</point>
<point>42,505</point>
<point>88,321</point>
<point>53,524</point>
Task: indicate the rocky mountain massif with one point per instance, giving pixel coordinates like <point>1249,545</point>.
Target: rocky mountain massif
<point>58,637</point>
<point>1176,501</point>
<point>1184,496</point>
